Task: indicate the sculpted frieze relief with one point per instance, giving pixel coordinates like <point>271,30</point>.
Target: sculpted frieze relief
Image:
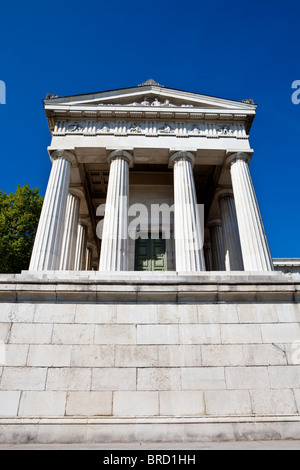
<point>151,128</point>
<point>75,127</point>
<point>225,130</point>
<point>166,129</point>
<point>150,102</point>
<point>105,128</point>
<point>135,128</point>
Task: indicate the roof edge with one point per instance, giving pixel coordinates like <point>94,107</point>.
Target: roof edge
<point>54,97</point>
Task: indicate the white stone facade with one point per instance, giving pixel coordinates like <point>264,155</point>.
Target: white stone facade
<point>105,339</point>
<point>192,352</point>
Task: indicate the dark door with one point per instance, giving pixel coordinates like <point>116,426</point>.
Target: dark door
<point>150,255</point>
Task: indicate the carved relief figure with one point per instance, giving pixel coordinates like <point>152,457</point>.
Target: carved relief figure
<point>145,102</point>
<point>105,127</point>
<point>166,129</point>
<point>195,130</point>
<point>156,102</point>
<point>75,127</point>
<point>135,127</point>
<point>225,130</point>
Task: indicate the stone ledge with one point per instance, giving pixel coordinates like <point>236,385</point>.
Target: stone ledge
<point>84,430</point>
<point>55,420</point>
<point>131,287</point>
<point>135,277</point>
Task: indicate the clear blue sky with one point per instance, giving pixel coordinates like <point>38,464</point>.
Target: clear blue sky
<point>227,48</point>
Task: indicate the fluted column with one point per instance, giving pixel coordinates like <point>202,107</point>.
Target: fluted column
<point>114,247</point>
<point>70,233</point>
<point>188,231</point>
<point>90,249</point>
<point>80,251</point>
<point>208,256</point>
<point>88,259</point>
<point>231,238</point>
<point>47,246</point>
<point>254,243</point>
<point>217,245</point>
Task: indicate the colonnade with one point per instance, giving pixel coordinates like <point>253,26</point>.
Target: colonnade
<point>237,239</point>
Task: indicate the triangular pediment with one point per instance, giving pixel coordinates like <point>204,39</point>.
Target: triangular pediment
<point>148,96</point>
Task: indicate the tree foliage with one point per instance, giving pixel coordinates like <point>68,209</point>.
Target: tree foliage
<point>19,217</point>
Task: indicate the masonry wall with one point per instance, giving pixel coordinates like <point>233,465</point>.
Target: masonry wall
<point>149,360</point>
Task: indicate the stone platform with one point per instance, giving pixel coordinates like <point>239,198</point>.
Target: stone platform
<point>147,357</point>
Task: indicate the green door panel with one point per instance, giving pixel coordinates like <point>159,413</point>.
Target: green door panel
<point>159,258</point>
<point>150,255</point>
<point>142,255</point>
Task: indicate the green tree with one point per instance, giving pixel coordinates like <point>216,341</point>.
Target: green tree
<point>19,217</point>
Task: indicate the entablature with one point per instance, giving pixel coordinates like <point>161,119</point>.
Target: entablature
<point>152,128</point>
<point>148,102</point>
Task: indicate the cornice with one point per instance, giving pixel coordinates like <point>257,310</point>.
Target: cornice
<point>147,112</point>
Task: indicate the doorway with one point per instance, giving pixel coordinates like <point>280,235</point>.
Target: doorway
<point>150,254</point>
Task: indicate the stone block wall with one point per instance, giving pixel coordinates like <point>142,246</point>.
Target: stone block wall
<point>154,360</point>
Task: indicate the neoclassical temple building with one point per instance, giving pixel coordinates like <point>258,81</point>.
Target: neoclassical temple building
<point>152,309</point>
<point>150,145</point>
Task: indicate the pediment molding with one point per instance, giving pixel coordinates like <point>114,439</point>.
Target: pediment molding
<point>148,95</point>
<point>148,101</point>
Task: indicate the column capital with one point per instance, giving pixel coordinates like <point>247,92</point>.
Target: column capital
<point>77,192</point>
<point>91,244</point>
<point>181,155</point>
<point>213,222</point>
<point>85,221</point>
<point>68,155</point>
<point>232,157</point>
<point>224,192</point>
<point>120,154</point>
